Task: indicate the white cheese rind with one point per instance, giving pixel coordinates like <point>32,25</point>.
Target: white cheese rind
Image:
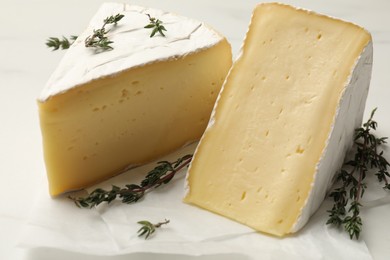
<point>348,117</point>
<point>132,46</point>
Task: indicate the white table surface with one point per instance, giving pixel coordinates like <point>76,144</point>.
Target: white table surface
<point>26,64</point>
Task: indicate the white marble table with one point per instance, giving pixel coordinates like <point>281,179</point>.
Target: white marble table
<point>25,65</point>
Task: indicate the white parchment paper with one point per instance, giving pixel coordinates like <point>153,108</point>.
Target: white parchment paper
<point>112,229</point>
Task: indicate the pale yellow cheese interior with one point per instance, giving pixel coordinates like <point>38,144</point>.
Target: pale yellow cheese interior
<point>96,130</point>
<point>257,160</point>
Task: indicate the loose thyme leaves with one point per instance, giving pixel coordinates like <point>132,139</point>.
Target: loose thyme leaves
<point>131,193</point>
<point>63,43</point>
<point>99,37</point>
<point>97,40</point>
<point>157,26</point>
<point>346,207</point>
<point>148,228</point>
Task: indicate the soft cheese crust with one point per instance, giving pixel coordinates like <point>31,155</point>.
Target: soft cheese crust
<point>348,117</point>
<point>132,45</point>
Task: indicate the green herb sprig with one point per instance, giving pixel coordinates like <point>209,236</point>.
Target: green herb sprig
<point>346,208</point>
<point>63,43</point>
<point>148,228</point>
<point>99,37</point>
<point>161,174</point>
<point>157,26</point>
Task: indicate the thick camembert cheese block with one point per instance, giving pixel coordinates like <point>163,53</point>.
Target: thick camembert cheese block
<point>284,119</point>
<point>104,111</point>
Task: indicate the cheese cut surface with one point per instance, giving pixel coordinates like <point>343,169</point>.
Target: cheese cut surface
<point>104,112</point>
<point>284,119</point>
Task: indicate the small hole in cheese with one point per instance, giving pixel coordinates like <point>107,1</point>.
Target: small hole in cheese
<point>243,195</point>
<point>135,82</point>
<point>319,36</point>
<point>124,92</point>
<point>299,150</point>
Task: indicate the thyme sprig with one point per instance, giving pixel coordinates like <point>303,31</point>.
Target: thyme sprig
<point>99,37</point>
<point>57,43</point>
<point>148,228</point>
<point>367,157</point>
<point>131,193</point>
<point>157,26</point>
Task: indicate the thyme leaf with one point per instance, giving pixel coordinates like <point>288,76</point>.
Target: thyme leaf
<point>57,43</point>
<point>156,25</point>
<point>99,37</point>
<point>346,208</point>
<point>148,228</point>
<point>131,193</point>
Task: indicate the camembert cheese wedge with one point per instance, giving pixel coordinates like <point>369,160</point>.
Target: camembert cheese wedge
<point>284,119</point>
<point>105,111</point>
